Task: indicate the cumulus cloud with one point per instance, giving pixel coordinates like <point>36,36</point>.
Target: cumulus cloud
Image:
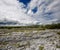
<point>48,10</point>
<point>12,10</point>
<point>42,11</point>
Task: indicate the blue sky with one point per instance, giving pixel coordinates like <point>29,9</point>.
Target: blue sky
<point>25,2</point>
<point>30,11</point>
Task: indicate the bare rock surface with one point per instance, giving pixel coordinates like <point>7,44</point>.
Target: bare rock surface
<point>35,40</point>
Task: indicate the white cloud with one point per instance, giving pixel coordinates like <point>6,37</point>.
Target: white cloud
<point>13,10</point>
<point>48,10</point>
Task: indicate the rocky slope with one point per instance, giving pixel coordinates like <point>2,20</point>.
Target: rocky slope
<point>35,40</point>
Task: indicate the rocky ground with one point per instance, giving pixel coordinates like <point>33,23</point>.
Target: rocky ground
<point>35,40</point>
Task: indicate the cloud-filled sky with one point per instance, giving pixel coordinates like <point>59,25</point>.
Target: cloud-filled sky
<point>30,11</point>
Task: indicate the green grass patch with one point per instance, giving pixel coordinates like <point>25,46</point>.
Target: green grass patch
<point>41,47</point>
<point>58,33</point>
<point>57,46</point>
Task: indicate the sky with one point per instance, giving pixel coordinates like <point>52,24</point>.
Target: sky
<point>30,11</point>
